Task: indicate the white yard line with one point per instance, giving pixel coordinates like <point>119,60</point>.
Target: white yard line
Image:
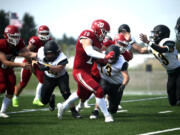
<point>120,111</point>
<point>125,101</point>
<point>145,99</point>
<point>29,110</point>
<point>168,111</point>
<point>161,131</point>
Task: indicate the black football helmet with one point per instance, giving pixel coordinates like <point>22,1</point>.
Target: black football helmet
<point>51,51</point>
<point>116,51</point>
<point>177,29</point>
<point>159,32</point>
<point>124,27</point>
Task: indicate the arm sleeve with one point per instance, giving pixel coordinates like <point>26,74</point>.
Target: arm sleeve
<point>160,49</point>
<point>93,53</point>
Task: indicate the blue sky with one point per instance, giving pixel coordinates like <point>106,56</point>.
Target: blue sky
<point>73,16</point>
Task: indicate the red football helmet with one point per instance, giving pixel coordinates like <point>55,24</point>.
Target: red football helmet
<point>43,33</point>
<point>12,34</point>
<point>100,28</point>
<point>120,40</point>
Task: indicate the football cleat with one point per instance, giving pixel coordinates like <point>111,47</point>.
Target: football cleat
<point>80,106</point>
<point>52,103</point>
<point>3,115</point>
<point>15,102</point>
<point>94,115</point>
<point>76,114</point>
<point>60,110</point>
<point>108,119</point>
<point>37,102</point>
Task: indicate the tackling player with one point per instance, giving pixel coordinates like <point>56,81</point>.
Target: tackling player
<point>114,78</point>
<point>88,44</point>
<point>35,42</point>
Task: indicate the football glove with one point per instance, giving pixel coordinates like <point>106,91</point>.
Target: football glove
<point>110,55</point>
<point>121,88</point>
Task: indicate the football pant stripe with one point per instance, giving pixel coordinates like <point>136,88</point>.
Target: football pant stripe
<point>84,83</point>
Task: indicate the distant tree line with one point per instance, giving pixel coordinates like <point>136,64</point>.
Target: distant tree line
<point>29,29</point>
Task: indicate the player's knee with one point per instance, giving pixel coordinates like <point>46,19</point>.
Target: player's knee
<point>66,94</point>
<point>22,84</point>
<point>99,93</point>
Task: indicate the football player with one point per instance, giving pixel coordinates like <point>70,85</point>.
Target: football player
<point>35,42</point>
<point>114,78</point>
<point>95,73</point>
<point>126,31</point>
<point>177,29</point>
<point>52,61</point>
<point>164,50</point>
<point>10,47</point>
<point>88,44</point>
<point>120,41</point>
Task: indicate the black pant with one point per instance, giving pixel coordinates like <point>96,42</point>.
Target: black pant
<point>173,86</point>
<point>49,85</point>
<point>114,94</point>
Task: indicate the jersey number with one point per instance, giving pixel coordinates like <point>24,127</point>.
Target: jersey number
<point>162,57</point>
<point>108,70</point>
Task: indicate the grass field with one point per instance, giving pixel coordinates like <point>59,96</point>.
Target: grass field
<point>142,116</point>
<point>142,112</point>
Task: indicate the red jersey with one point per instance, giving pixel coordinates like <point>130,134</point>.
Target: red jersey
<point>10,51</point>
<point>82,60</point>
<point>35,41</point>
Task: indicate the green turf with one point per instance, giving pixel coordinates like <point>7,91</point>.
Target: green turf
<point>142,117</point>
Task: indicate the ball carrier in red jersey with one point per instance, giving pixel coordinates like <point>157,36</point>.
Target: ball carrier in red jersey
<point>86,52</point>
<point>35,42</point>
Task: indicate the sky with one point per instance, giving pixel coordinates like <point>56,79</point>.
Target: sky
<point>73,16</point>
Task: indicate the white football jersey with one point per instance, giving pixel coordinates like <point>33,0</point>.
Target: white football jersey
<point>61,57</point>
<point>169,60</point>
<point>112,72</point>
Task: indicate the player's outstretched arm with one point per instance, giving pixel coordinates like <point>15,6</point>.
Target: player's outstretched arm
<point>26,53</point>
<point>160,49</point>
<point>8,63</point>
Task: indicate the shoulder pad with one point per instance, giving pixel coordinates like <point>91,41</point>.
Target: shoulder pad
<point>33,40</point>
<point>167,42</point>
<point>87,34</point>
